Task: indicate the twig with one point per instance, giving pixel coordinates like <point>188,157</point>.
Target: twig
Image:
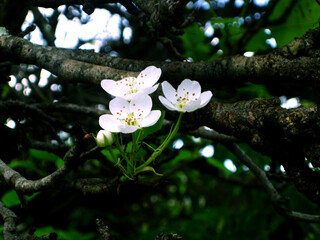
<point>280,203</point>
<point>27,30</point>
<point>22,185</point>
<point>213,135</point>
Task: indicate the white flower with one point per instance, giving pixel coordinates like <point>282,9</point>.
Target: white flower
<point>129,87</point>
<point>128,116</point>
<point>187,98</point>
<point>104,138</point>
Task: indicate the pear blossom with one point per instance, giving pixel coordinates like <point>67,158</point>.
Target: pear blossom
<point>128,116</point>
<point>187,98</point>
<point>104,138</point>
<point>129,87</point>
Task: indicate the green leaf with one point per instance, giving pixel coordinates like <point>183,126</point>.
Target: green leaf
<point>194,43</point>
<point>26,164</point>
<point>304,16</point>
<point>44,155</point>
<point>10,199</point>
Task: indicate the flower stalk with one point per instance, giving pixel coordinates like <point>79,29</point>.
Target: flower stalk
<point>159,150</point>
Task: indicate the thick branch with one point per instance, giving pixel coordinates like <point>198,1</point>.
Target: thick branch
<point>9,226</point>
<point>291,64</point>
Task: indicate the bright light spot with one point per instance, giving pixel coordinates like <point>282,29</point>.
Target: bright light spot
<point>272,42</point>
<point>10,123</point>
<point>113,27</point>
<point>267,168</point>
<point>257,16</point>
<point>229,165</point>
<point>36,35</point>
<point>56,87</point>
<point>238,3</point>
<point>205,6</point>
<point>114,54</point>
<point>24,82</point>
<point>282,169</point>
<point>32,78</point>
<point>214,41</point>
<point>245,168</point>
<point>44,75</point>
<point>101,107</point>
<point>207,128</point>
<point>13,81</point>
<point>178,144</point>
<point>63,135</point>
<point>27,91</point>
<point>289,103</point>
<point>310,165</point>
<point>67,32</point>
<point>18,87</point>
<point>95,28</point>
<point>208,30</point>
<point>196,139</point>
<point>90,46</point>
<point>220,52</point>
<point>248,19</point>
<point>267,31</point>
<point>46,11</point>
<point>62,8</point>
<point>29,18</point>
<point>127,34</point>
<point>248,54</point>
<point>207,151</point>
<point>261,3</point>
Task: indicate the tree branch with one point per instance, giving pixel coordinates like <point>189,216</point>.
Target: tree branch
<point>9,226</point>
<point>278,67</point>
<point>281,204</point>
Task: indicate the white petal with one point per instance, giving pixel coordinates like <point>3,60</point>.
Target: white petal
<point>150,90</point>
<point>149,76</point>
<point>119,107</point>
<point>205,98</point>
<point>141,105</point>
<point>109,123</point>
<point>151,119</point>
<point>111,87</point>
<point>189,88</point>
<point>192,106</point>
<point>128,129</point>
<point>126,84</point>
<point>167,104</point>
<point>169,92</point>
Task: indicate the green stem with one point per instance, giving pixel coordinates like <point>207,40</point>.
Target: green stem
<point>123,154</point>
<point>159,150</point>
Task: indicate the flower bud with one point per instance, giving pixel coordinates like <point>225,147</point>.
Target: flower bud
<point>104,138</point>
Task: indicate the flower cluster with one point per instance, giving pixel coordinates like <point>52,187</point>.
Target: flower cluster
<point>131,107</point>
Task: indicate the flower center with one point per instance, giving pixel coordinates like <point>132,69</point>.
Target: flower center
<point>183,100</point>
<point>132,84</point>
<point>131,120</point>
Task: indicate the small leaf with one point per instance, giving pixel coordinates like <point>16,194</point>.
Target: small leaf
<point>10,199</point>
